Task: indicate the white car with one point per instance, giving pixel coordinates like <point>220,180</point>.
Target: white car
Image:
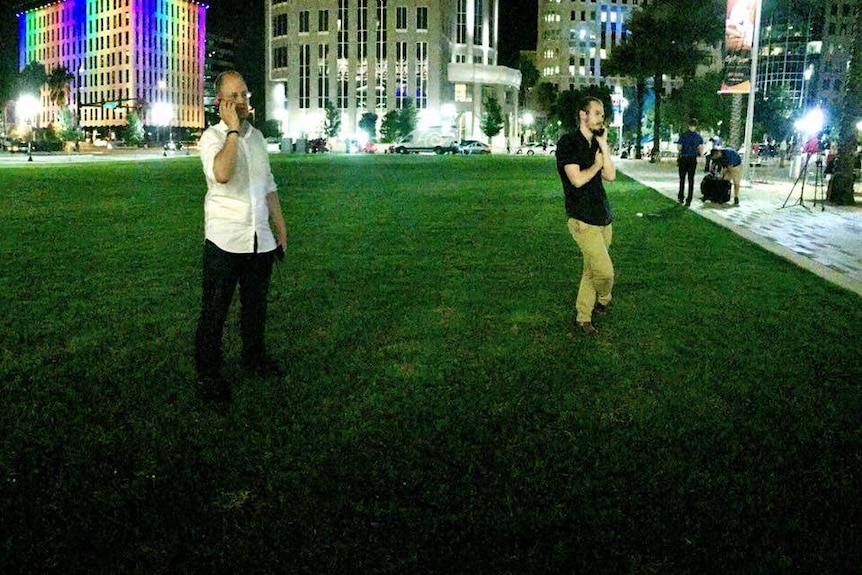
<point>532,148</point>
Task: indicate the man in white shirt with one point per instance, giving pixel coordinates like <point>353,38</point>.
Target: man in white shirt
<point>240,210</point>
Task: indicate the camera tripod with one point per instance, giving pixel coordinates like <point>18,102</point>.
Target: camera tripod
<point>818,184</point>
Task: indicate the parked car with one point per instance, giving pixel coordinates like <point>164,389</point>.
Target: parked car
<point>532,148</point>
<point>318,146</point>
<point>474,148</point>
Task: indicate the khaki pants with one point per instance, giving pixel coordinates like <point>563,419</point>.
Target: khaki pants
<point>734,174</point>
<point>597,279</point>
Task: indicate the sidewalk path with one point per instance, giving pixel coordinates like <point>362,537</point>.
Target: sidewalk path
<point>826,240</point>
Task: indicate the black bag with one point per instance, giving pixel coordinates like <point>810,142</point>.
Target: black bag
<point>715,190</point>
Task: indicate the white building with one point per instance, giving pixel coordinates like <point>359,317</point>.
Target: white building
<point>123,54</point>
<point>374,55</point>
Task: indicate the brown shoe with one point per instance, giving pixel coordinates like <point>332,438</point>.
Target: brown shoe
<point>600,309</point>
<point>587,327</point>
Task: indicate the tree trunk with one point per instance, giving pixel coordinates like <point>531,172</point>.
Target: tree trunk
<point>658,88</point>
<point>851,110</point>
<point>641,90</point>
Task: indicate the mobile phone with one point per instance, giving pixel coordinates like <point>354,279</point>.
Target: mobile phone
<point>279,253</point>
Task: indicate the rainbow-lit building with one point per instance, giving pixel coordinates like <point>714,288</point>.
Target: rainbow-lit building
<point>123,54</point>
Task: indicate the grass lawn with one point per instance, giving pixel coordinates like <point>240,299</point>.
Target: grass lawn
<point>440,414</point>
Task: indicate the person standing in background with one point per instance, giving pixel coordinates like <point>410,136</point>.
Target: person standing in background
<point>689,147</point>
<point>240,210</point>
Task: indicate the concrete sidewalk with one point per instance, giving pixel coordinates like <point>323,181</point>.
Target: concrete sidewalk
<point>822,238</point>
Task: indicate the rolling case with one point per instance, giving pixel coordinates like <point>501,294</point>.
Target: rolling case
<point>715,190</point>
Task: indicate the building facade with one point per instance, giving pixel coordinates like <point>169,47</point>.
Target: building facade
<point>576,36</point>
<point>839,17</point>
<point>789,55</point>
<point>123,54</point>
<point>376,55</point>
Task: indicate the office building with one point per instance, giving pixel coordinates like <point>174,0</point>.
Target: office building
<point>576,36</point>
<point>375,55</point>
<point>838,30</point>
<point>124,54</point>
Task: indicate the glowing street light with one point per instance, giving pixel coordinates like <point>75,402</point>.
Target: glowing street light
<point>27,108</point>
<point>811,123</point>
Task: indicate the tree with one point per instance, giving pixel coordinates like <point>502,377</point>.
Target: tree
<point>136,128</point>
<point>368,123</point>
<point>698,98</point>
<point>850,112</point>
<point>407,117</point>
<point>568,104</point>
<point>544,97</point>
<point>665,40</point>
<point>332,122</point>
<point>66,129</point>
<point>529,78</point>
<point>31,78</point>
<point>390,129</point>
<point>58,85</point>
<point>492,117</point>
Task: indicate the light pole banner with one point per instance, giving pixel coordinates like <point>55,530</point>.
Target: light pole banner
<point>738,42</point>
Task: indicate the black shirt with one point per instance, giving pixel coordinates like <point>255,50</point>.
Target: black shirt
<point>589,203</point>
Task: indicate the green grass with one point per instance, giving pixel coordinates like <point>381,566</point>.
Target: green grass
<point>440,414</point>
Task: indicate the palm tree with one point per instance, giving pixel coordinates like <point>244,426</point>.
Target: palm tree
<point>58,85</point>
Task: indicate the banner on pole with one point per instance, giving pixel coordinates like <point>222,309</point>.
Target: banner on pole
<point>738,43</point>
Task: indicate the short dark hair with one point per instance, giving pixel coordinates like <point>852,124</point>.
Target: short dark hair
<point>692,122</point>
<point>585,103</point>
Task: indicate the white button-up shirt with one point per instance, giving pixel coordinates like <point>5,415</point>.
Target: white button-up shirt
<point>237,211</point>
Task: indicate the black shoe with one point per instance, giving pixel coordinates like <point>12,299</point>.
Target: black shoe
<point>264,367</point>
<point>214,388</point>
<point>735,201</point>
<point>681,199</point>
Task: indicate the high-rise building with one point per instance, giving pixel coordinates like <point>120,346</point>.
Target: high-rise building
<point>123,54</point>
<point>839,17</point>
<point>576,36</point>
<point>789,53</point>
<point>375,55</point>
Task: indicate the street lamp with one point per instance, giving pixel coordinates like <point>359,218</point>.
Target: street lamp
<point>27,108</point>
<point>163,113</point>
<point>527,120</point>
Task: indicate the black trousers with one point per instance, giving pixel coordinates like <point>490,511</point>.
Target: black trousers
<point>687,168</point>
<point>222,272</point>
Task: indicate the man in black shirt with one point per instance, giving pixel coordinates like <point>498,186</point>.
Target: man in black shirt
<point>583,162</point>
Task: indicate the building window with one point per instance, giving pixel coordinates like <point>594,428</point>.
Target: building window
<point>477,22</point>
<point>322,75</point>
<point>381,69</point>
<point>461,23</point>
<point>304,76</point>
<point>279,25</point>
<point>323,20</point>
<point>401,18</point>
<point>422,18</point>
<point>362,30</point>
<point>304,21</point>
<point>343,25</point>
<point>279,57</point>
<point>343,86</point>
<point>400,74</point>
<point>421,75</point>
